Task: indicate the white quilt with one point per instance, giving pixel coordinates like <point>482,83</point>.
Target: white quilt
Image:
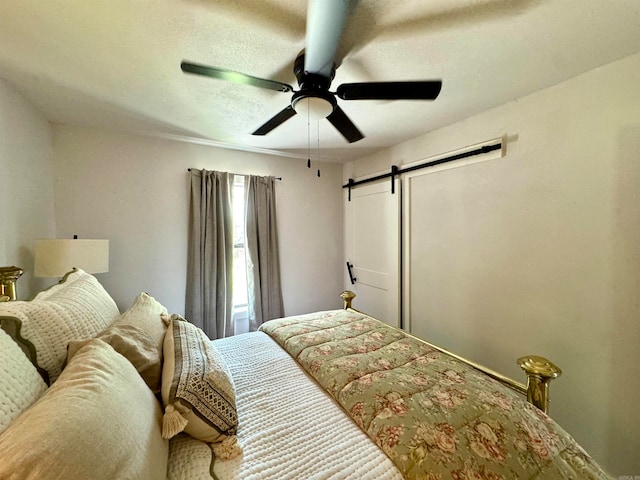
<point>289,428</point>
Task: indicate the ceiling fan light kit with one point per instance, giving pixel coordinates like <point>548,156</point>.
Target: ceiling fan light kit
<point>315,68</point>
<point>313,108</point>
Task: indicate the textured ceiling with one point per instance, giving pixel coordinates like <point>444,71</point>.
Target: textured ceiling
<point>116,63</point>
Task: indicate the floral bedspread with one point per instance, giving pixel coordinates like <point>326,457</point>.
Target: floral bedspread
<point>434,417</point>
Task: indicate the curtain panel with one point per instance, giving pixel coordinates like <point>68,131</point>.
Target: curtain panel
<point>209,300</point>
<point>263,261</point>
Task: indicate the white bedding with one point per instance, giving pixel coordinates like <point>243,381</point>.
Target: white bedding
<point>288,427</point>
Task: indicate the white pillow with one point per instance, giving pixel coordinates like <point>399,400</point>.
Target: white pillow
<point>21,384</point>
<point>76,308</point>
<point>98,421</point>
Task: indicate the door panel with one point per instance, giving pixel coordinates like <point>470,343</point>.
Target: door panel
<point>372,242</point>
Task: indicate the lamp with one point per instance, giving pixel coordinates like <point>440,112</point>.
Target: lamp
<point>55,257</point>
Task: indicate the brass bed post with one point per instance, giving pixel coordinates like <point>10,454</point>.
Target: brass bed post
<point>347,297</point>
<point>8,277</point>
<point>539,370</point>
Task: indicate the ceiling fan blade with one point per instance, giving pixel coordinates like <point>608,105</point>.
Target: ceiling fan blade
<point>275,121</point>
<point>234,77</point>
<point>416,90</point>
<point>325,22</point>
<point>345,126</point>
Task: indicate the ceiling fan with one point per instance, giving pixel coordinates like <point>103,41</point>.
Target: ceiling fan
<point>315,68</point>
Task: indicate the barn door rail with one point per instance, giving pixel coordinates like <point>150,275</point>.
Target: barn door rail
<point>396,172</point>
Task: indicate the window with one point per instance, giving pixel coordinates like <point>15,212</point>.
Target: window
<point>238,298</point>
<point>239,287</point>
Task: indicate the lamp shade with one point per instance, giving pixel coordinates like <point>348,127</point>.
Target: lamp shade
<point>55,257</point>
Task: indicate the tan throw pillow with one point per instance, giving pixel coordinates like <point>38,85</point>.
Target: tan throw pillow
<point>20,383</point>
<point>138,335</point>
<point>145,313</point>
<point>97,421</point>
<point>197,389</point>
<point>135,345</point>
<point>76,308</point>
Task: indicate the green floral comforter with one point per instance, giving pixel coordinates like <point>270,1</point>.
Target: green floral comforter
<point>435,417</point>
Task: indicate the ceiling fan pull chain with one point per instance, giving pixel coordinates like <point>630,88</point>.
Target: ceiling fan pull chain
<point>308,141</point>
<point>318,151</point>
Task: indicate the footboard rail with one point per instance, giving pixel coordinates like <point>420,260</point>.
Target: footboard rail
<point>539,370</point>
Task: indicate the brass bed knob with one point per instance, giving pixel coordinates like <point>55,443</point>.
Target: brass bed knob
<point>8,277</point>
<point>540,372</point>
<point>347,296</point>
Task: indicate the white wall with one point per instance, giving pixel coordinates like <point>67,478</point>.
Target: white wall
<point>26,185</point>
<point>134,191</point>
<point>539,252</point>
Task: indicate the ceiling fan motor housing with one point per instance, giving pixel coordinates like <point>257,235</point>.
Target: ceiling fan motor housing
<point>314,88</point>
<point>311,80</point>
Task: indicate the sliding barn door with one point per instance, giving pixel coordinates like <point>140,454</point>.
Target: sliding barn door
<point>372,240</point>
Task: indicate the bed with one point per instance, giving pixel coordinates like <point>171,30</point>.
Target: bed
<point>90,392</point>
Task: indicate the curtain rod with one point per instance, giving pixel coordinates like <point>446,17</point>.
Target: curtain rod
<point>398,171</point>
<point>242,174</point>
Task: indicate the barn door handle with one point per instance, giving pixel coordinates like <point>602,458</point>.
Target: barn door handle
<point>351,277</point>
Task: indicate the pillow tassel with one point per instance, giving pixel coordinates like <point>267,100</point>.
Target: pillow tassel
<point>166,318</point>
<point>227,449</point>
<point>172,422</point>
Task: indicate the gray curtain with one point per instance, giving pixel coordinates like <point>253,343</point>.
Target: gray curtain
<point>263,263</point>
<point>209,301</point>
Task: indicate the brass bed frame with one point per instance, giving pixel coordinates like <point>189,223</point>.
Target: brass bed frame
<point>8,277</point>
<point>539,370</point>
